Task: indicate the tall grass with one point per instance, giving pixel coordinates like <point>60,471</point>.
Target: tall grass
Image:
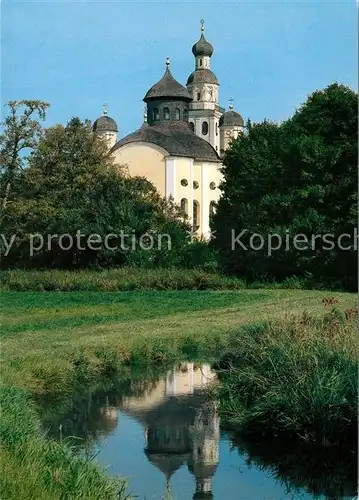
<point>295,377</point>
<point>121,279</point>
<point>131,278</point>
<point>42,468</point>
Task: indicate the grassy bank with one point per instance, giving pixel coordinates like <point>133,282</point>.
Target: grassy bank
<point>54,341</point>
<point>295,377</point>
<point>50,340</point>
<point>42,468</point>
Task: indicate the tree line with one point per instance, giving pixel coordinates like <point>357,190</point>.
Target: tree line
<point>283,183</point>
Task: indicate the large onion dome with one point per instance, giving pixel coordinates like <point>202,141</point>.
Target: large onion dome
<point>167,87</point>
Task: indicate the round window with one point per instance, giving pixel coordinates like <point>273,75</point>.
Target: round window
<point>184,182</point>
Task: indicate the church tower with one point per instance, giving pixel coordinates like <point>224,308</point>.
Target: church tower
<point>202,84</point>
<point>205,450</point>
<point>231,126</point>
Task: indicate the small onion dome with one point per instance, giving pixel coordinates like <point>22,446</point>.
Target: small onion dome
<point>105,123</point>
<point>168,87</point>
<point>202,76</point>
<point>231,118</point>
<point>202,47</point>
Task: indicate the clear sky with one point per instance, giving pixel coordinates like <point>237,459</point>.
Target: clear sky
<point>269,55</point>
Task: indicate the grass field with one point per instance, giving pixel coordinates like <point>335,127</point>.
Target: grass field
<point>47,335</point>
<point>52,341</point>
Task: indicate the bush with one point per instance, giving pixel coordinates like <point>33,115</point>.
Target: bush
<point>122,279</point>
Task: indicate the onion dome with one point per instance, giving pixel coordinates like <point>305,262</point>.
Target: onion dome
<point>231,119</point>
<point>168,87</point>
<point>202,470</point>
<point>105,123</point>
<point>202,47</point>
<point>202,76</point>
<point>167,463</point>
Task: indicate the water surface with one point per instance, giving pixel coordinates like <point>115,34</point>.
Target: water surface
<point>164,435</point>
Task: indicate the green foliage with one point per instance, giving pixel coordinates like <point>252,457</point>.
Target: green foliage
<point>294,377</point>
<point>118,279</point>
<point>21,133</point>
<point>72,187</point>
<point>299,177</point>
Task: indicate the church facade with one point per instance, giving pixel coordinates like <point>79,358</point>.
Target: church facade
<point>184,135</point>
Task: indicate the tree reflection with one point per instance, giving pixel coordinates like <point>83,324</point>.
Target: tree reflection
<point>320,471</point>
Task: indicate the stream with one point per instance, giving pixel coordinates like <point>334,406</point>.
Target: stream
<point>163,433</point>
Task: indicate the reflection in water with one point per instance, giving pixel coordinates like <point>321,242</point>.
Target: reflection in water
<point>179,429</point>
<point>332,473</point>
<point>181,432</point>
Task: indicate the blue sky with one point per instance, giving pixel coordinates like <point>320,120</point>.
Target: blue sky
<point>269,55</point>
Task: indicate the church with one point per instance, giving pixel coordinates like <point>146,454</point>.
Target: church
<point>182,139</point>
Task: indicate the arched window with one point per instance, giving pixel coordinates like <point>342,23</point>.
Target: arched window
<point>185,115</point>
<point>200,62</point>
<point>204,128</point>
<point>191,126</point>
<point>212,208</point>
<point>184,206</point>
<point>156,114</point>
<point>166,113</point>
<point>198,96</point>
<point>216,128</point>
<point>177,114</point>
<point>196,215</point>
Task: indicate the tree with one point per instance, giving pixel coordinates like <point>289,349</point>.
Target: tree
<point>299,177</point>
<point>21,132</point>
<point>71,187</point>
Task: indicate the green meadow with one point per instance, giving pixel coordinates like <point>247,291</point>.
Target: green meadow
<point>52,342</point>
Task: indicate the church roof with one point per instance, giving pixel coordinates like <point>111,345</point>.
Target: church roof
<point>202,75</point>
<point>168,87</point>
<point>105,124</point>
<point>177,139</point>
<point>231,118</point>
<point>202,47</point>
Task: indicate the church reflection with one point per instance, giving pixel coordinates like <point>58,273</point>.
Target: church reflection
<point>181,425</point>
<point>179,421</point>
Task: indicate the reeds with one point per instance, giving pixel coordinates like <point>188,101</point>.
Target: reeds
<point>296,376</point>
